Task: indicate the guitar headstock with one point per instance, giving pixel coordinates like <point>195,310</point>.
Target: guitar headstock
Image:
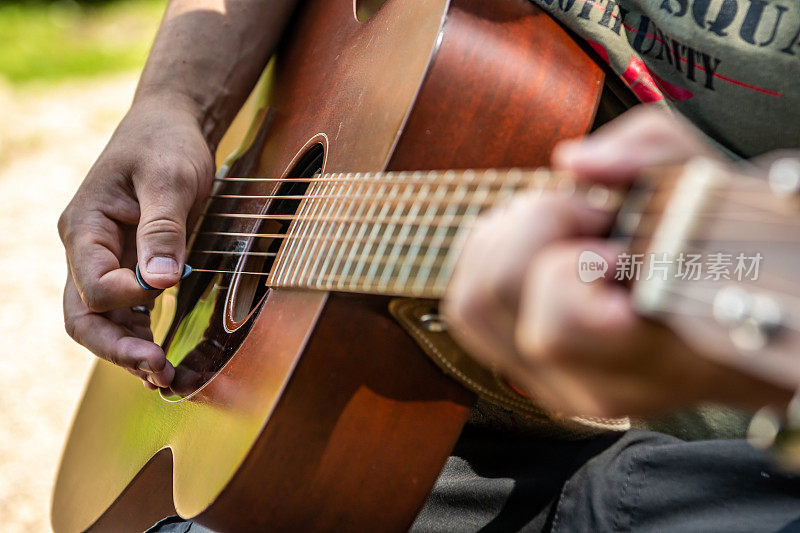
<point>714,253</point>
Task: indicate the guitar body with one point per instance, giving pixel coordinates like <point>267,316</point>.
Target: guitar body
<point>310,410</point>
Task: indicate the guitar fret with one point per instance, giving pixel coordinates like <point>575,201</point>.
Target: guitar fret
<point>423,275</point>
<point>355,243</point>
<point>360,245</point>
<point>471,214</point>
<point>319,249</point>
<point>337,229</point>
<point>360,265</point>
<point>399,243</point>
<point>392,233</point>
<point>423,228</point>
<point>387,236</point>
<point>354,209</point>
<point>302,256</point>
<point>285,258</point>
<point>294,258</point>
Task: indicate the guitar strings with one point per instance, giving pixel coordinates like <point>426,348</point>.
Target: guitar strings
<point>542,174</point>
<point>709,302</point>
<point>468,198</point>
<point>437,262</point>
<point>542,177</point>
<point>436,220</point>
<point>404,219</point>
<point>382,240</point>
<point>535,179</point>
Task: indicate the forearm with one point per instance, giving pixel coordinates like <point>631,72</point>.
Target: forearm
<point>208,54</point>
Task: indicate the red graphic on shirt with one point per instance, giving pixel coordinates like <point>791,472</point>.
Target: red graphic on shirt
<point>682,59</point>
<point>645,85</point>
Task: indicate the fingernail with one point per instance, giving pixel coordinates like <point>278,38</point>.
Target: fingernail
<point>145,367</point>
<point>162,265</point>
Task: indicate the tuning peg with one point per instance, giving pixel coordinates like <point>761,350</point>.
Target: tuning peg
<point>784,176</point>
<point>779,434</point>
<point>753,319</point>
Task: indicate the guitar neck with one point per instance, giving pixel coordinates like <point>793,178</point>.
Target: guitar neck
<point>393,233</point>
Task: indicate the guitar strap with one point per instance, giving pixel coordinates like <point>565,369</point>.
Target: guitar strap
<point>496,398</point>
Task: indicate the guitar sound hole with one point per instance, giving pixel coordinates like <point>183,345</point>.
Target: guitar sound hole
<point>203,321</point>
<point>249,284</point>
<point>365,9</point>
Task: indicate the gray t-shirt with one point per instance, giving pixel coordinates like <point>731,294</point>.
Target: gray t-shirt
<point>731,66</point>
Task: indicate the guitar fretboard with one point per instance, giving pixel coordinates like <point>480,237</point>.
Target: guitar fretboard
<point>396,233</point>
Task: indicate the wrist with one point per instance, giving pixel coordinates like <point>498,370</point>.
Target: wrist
<point>186,106</point>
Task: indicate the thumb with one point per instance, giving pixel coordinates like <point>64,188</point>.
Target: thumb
<point>161,236</point>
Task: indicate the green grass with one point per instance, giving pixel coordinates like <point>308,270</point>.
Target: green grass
<point>50,42</point>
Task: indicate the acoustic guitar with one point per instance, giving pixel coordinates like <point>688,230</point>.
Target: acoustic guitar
<point>299,401</point>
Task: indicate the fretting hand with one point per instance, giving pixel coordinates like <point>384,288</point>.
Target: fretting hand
<point>517,304</point>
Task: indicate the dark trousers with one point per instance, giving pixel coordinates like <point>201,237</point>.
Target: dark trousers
<point>638,481</point>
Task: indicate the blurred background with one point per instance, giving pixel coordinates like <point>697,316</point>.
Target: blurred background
<point>68,70</point>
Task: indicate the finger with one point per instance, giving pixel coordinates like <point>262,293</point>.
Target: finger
<point>639,139</point>
<point>591,350</point>
<point>500,246</point>
<point>561,315</point>
<point>112,342</point>
<point>482,297</point>
<point>143,331</point>
<point>472,305</point>
<point>93,243</point>
<point>137,323</point>
<point>165,200</point>
<point>528,224</point>
<point>143,378</point>
<point>130,318</point>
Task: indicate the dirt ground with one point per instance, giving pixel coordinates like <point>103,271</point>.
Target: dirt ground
<point>49,138</point>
